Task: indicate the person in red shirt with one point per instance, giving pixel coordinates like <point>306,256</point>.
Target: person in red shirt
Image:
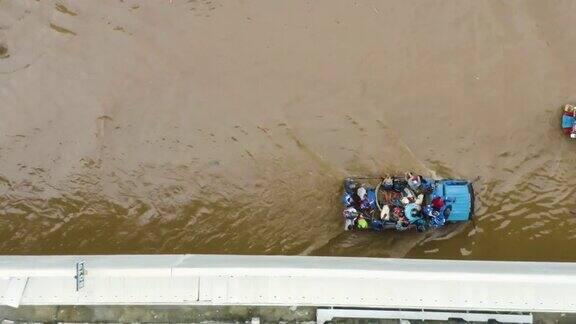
<point>438,203</point>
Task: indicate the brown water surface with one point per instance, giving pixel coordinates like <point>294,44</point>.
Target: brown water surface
<point>209,126</point>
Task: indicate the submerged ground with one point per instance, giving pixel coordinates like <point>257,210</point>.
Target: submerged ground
<point>209,126</point>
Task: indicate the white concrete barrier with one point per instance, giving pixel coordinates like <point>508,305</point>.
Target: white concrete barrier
<point>290,280</point>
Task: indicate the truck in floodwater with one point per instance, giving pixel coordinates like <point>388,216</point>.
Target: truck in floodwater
<point>408,202</point>
<point>569,121</point>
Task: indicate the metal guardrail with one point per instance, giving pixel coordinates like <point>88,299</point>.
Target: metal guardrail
<point>324,315</point>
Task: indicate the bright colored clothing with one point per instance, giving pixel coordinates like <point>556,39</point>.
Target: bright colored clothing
<point>408,213</point>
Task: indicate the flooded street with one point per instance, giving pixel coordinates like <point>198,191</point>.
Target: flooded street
<point>210,126</point>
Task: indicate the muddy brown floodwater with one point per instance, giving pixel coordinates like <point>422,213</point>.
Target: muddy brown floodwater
<point>210,126</point>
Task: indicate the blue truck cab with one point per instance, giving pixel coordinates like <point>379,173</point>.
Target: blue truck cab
<point>459,198</point>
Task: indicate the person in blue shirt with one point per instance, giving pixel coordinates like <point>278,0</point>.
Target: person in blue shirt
<point>436,219</point>
<point>413,212</point>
